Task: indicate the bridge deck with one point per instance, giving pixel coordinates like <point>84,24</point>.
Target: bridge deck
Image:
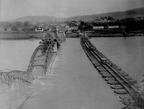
<point>75,84</point>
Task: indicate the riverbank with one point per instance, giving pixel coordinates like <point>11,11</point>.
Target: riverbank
<point>38,35</point>
<point>116,34</point>
<point>4,35</point>
<point>105,33</point>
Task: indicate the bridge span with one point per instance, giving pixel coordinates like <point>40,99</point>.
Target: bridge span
<point>16,85</point>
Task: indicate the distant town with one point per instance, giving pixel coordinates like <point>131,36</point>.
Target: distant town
<point>109,23</point>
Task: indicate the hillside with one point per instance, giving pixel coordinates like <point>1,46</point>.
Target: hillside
<point>139,12</point>
<point>36,18</point>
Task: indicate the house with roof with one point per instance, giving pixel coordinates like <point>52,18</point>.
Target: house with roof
<point>39,29</point>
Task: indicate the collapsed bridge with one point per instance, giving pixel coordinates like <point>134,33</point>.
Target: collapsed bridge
<point>41,57</point>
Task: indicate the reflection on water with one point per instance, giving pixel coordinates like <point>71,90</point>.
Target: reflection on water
<point>127,53</point>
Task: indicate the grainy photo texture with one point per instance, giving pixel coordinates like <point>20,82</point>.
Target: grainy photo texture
<point>71,54</point>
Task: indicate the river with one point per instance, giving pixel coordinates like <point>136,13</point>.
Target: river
<point>127,53</point>
<point>15,54</point>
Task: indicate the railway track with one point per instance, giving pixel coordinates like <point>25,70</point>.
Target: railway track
<point>121,83</point>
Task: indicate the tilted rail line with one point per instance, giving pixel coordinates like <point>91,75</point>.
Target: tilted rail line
<point>122,84</point>
<point>115,73</point>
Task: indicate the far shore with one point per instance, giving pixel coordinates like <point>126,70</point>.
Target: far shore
<point>94,34</point>
<point>12,35</point>
<point>114,34</point>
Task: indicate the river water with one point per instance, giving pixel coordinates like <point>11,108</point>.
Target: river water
<point>15,54</point>
<point>127,53</point>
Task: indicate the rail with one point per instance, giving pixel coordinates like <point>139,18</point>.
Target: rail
<point>123,85</point>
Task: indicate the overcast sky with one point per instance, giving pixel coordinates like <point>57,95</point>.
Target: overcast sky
<point>11,9</point>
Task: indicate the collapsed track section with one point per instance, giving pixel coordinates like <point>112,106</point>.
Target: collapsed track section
<point>45,54</point>
<point>41,57</point>
<point>121,83</point>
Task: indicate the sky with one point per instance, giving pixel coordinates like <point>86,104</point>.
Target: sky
<point>11,9</point>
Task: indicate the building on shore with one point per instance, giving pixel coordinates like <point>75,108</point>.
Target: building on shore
<point>39,29</point>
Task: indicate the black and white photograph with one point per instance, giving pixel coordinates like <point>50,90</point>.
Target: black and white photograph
<point>71,54</point>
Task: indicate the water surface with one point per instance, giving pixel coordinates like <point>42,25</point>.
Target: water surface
<point>15,54</point>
